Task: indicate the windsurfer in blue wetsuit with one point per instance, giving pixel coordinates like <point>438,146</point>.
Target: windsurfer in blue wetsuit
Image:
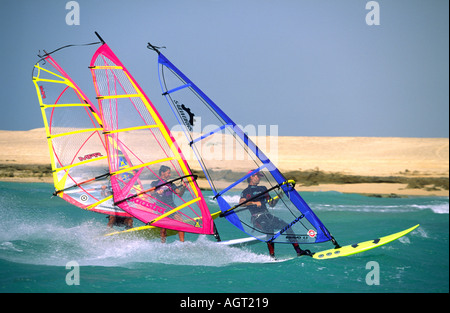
<point>261,217</point>
<point>165,195</point>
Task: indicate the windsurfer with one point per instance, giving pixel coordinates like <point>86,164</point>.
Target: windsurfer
<point>114,220</point>
<point>261,217</point>
<point>165,195</point>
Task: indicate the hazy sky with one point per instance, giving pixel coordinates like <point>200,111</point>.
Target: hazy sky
<point>312,67</point>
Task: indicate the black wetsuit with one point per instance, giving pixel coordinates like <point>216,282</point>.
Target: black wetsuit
<point>167,195</point>
<point>262,219</point>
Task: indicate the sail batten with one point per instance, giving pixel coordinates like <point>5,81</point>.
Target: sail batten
<point>130,129</point>
<point>128,169</point>
<point>87,130</point>
<point>176,89</point>
<point>118,96</point>
<point>223,191</point>
<point>55,105</point>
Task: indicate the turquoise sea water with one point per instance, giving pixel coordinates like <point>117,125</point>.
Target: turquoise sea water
<point>39,236</point>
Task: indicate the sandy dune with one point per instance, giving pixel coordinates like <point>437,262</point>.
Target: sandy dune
<point>366,156</point>
<point>427,157</point>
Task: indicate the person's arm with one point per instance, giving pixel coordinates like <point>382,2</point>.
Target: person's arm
<point>257,203</point>
<point>273,201</point>
<point>179,190</point>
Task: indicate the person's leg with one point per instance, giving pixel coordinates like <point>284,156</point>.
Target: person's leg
<point>111,220</point>
<point>163,234</point>
<point>271,247</point>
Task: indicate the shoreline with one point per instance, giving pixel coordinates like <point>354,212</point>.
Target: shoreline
<point>307,181</point>
<point>374,166</point>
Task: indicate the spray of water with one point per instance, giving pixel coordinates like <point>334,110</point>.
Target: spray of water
<point>53,244</point>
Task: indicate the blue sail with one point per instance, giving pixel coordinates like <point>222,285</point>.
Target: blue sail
<point>272,210</point>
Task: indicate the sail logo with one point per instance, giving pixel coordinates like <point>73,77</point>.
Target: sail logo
<point>122,163</point>
<point>148,205</point>
<point>41,88</point>
<point>186,115</point>
<point>90,156</point>
<point>288,226</point>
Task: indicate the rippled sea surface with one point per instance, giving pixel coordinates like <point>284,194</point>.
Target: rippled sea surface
<point>43,241</point>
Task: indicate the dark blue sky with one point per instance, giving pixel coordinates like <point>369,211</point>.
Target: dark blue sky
<point>314,68</point>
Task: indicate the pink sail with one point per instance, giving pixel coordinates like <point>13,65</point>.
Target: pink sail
<point>150,177</point>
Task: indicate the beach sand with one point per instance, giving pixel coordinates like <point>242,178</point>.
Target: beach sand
<point>369,157</point>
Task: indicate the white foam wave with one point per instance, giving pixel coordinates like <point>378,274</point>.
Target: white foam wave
<point>439,208</point>
<point>55,245</point>
<point>436,208</point>
<point>201,252</point>
<point>422,232</point>
<point>231,199</point>
<point>364,208</point>
<point>9,246</point>
<point>404,240</point>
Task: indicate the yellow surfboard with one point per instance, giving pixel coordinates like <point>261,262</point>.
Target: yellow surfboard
<point>146,231</point>
<point>360,247</point>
